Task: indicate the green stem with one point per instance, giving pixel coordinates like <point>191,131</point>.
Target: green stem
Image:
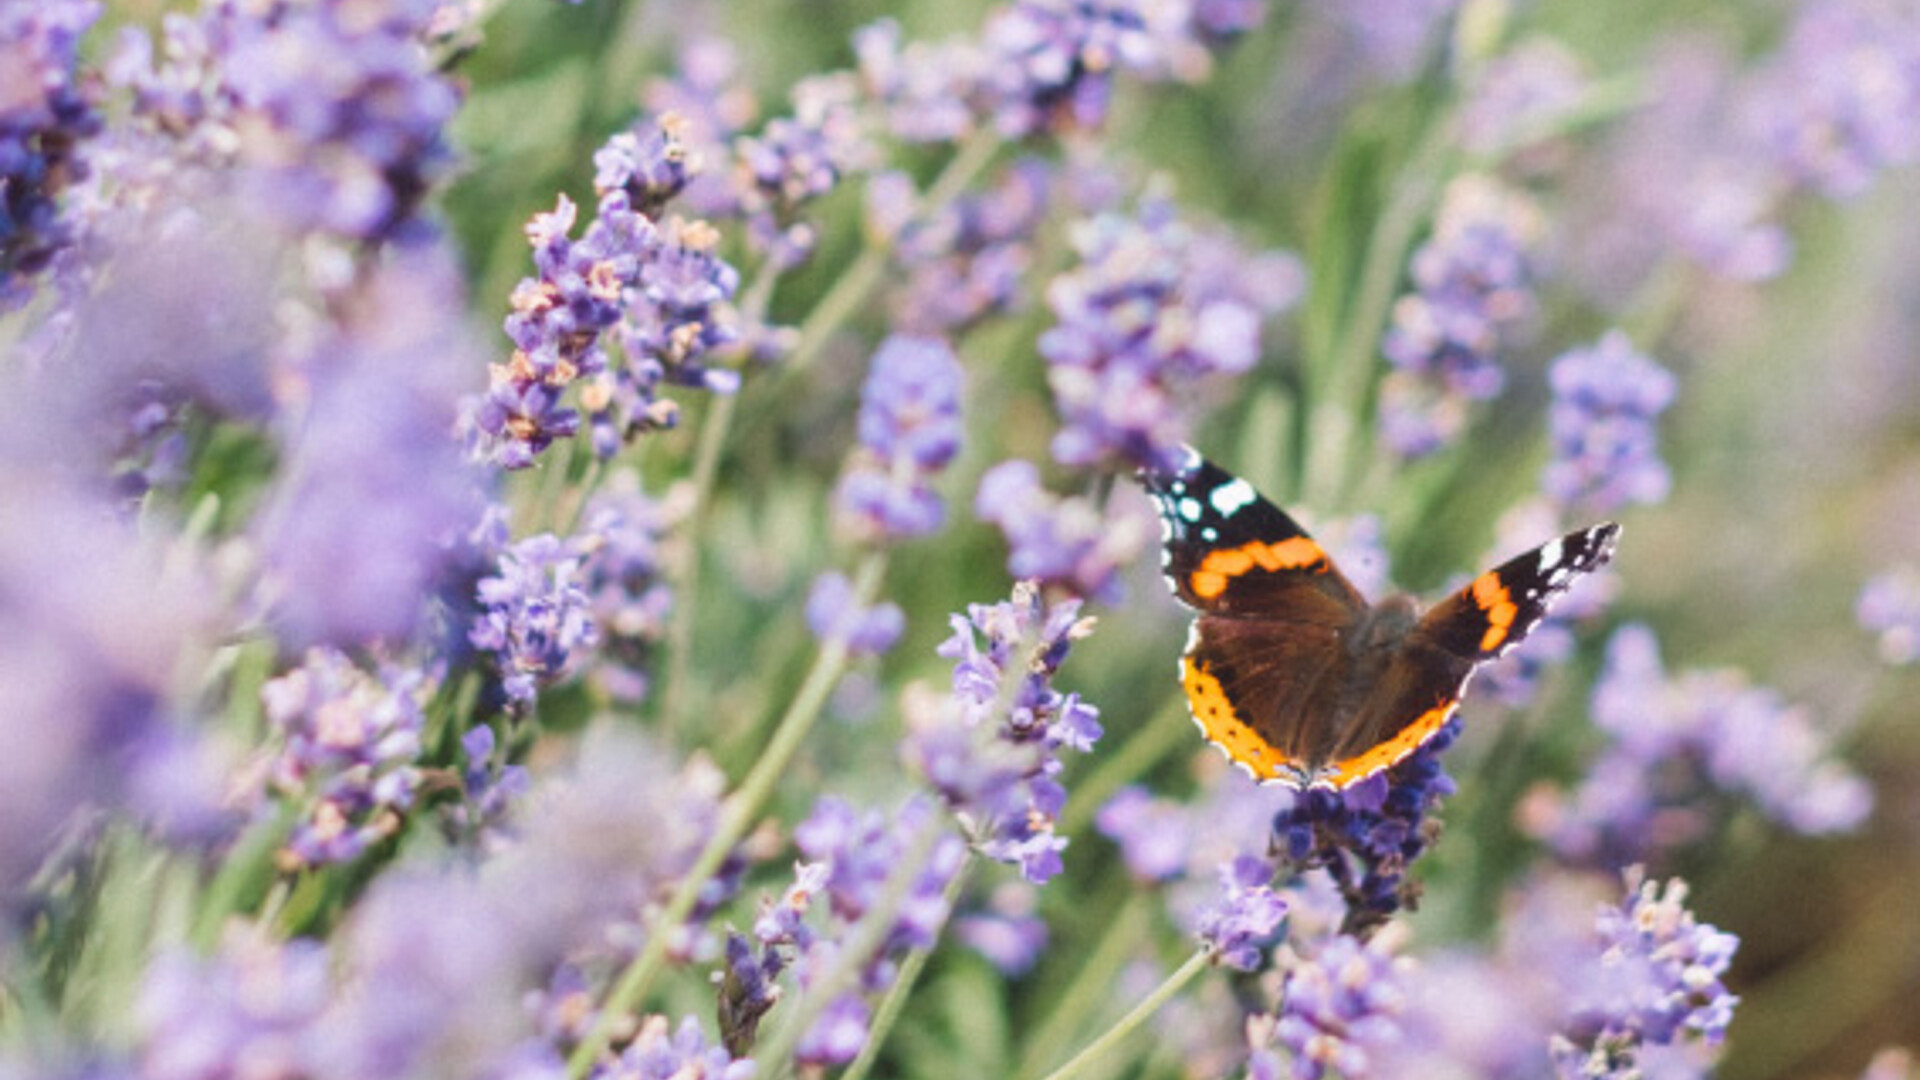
<point>1113,1037</point>
<point>896,996</point>
<point>1091,986</point>
<point>863,941</point>
<point>742,809</point>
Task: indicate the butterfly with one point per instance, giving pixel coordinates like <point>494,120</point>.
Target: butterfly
<point>1291,671</point>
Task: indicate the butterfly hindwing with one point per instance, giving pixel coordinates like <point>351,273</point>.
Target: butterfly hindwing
<point>1257,688</point>
<point>1500,607</point>
<point>1231,552</point>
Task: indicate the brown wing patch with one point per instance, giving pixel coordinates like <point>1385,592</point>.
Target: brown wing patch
<point>1386,755</point>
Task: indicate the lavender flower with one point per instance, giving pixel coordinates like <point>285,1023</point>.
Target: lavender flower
<point>795,160</point>
<point>1520,95</point>
<point>1656,983</point>
<point>1473,282</point>
<point>93,634</point>
<point>46,114</point>
<point>649,164</point>
<point>967,259</point>
<point>1153,310</point>
<point>683,1054</point>
<point>853,857</point>
<point>255,1001</point>
<point>1067,542</point>
<point>1675,742</point>
<point>1006,930</point>
<point>1340,1008</point>
<point>833,616</point>
<point>909,431</point>
<point>537,618</point>
<point>656,287</point>
<point>1368,835</point>
<point>1889,605</point>
<point>624,532</point>
<point>993,750</point>
<point>1243,922</point>
<point>491,791</point>
<point>351,743</point>
<point>927,91</point>
<point>1839,101</point>
<point>1152,833</point>
<point>375,431</point>
<point>1606,402</point>
<point>341,115</point>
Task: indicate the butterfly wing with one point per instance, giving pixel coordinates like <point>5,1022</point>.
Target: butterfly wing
<point>1264,656</point>
<point>1500,607</point>
<point>1231,552</point>
<point>1428,673</point>
<point>1259,690</point>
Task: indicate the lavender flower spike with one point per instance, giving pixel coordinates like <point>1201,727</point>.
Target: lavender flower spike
<point>993,749</point>
<point>909,432</point>
<point>1606,402</point>
<point>1656,982</point>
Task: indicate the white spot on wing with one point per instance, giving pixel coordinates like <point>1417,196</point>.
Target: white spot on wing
<point>1229,498</point>
<point>1190,509</point>
<point>1550,557</point>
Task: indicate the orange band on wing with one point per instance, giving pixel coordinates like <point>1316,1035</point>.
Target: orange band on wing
<point>1390,753</point>
<point>1497,602</point>
<point>1219,567</point>
<point>1224,728</point>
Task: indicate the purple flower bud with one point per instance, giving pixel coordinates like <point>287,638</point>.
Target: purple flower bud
<point>536,616</point>
<point>1889,605</point>
<point>1340,1008</point>
<point>833,616</point>
<point>909,430</point>
<point>1607,401</point>
<point>46,114</point>
<point>1059,542</point>
<point>1245,919</point>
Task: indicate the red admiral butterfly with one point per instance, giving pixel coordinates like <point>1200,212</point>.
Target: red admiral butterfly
<point>1289,669</point>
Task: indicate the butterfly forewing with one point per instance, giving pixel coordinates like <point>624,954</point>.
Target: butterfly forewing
<point>1500,607</point>
<point>1231,552</point>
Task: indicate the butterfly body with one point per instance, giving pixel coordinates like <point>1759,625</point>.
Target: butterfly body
<point>1291,671</point>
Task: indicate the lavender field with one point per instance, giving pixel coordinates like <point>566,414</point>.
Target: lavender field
<point>626,540</point>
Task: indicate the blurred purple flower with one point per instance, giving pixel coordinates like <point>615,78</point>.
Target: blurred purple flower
<point>1339,1011</point>
<point>1390,38</point>
<point>442,958</point>
<point>967,259</point>
<point>1473,290</point>
<point>1607,400</point>
<point>94,630</point>
<point>46,114</point>
<point>1655,982</point>
<point>795,160</point>
<point>833,616</point>
<point>1840,101</point>
<point>927,91</point>
<point>1151,312</point>
<point>1675,742</point>
<point>1889,605</point>
<point>1006,931</point>
<point>253,1008</point>
<point>1244,921</point>
<point>1153,834</point>
<point>623,532</point>
<point>349,753</point>
<point>372,487</point>
<point>682,1054</point>
<point>1520,95</point>
<point>993,749</point>
<point>1367,836</point>
<point>909,431</point>
<point>538,617</point>
<point>1063,542</point>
